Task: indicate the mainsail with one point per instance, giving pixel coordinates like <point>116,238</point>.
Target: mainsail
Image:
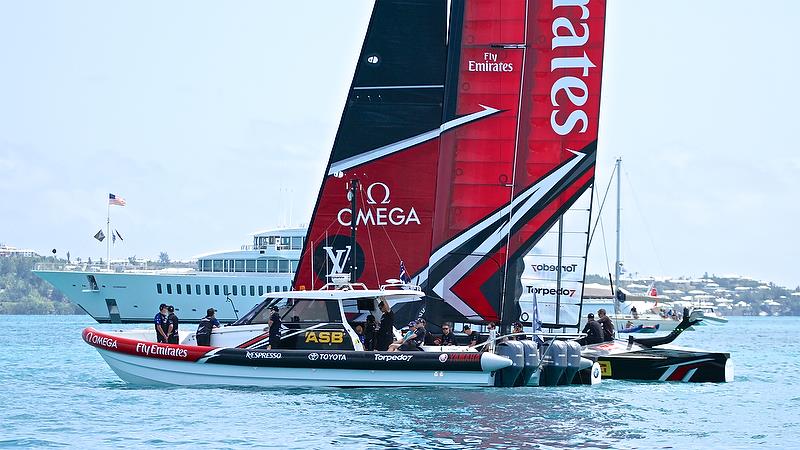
<point>467,153</point>
<point>388,140</point>
<point>505,181</point>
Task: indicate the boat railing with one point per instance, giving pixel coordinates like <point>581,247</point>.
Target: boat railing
<point>277,247</point>
<point>344,287</point>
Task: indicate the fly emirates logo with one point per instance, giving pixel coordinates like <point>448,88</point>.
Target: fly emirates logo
<point>489,64</point>
<point>572,38</point>
<point>379,210</point>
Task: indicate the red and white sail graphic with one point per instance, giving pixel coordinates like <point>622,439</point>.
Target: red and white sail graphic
<point>505,180</point>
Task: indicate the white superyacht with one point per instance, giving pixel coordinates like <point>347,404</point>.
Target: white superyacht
<point>229,282</point>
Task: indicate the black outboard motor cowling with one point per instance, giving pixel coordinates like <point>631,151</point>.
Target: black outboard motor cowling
<point>514,351</point>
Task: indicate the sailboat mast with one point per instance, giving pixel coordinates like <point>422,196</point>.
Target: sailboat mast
<point>353,220</point>
<point>618,262</point>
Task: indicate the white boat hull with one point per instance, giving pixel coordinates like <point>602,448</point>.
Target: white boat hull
<point>148,371</point>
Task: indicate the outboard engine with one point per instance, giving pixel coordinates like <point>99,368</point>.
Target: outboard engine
<point>514,351</point>
<point>530,373</point>
<point>573,362</point>
<point>554,363</point>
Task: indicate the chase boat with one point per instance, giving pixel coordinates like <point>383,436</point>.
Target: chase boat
<point>318,347</point>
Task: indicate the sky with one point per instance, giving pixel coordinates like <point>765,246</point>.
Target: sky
<point>215,120</point>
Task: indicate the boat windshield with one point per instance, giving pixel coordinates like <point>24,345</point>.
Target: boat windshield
<point>294,310</point>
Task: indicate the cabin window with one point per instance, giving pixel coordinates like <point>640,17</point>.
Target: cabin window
<point>217,265</point>
<point>252,291</point>
<point>234,287</point>
<point>227,267</point>
<point>286,289</point>
<point>261,265</point>
<point>239,265</point>
<point>158,288</point>
<point>208,290</point>
<point>230,265</point>
<point>260,291</point>
<point>178,288</point>
<point>188,289</point>
<point>297,243</point>
<point>283,266</point>
<point>196,289</point>
<point>250,265</point>
<point>169,288</point>
<point>216,289</point>
<point>269,289</point>
<point>295,263</point>
<point>277,288</point>
<point>286,242</point>
<point>272,266</point>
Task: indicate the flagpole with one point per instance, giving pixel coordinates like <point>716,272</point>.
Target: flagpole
<point>108,235</point>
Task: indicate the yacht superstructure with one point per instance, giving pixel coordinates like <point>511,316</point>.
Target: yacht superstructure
<point>229,282</point>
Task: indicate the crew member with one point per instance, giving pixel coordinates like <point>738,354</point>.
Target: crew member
<point>448,338</point>
<point>207,324</point>
<point>593,330</point>
<point>172,330</point>
<point>472,336</point>
<point>385,333</point>
<point>369,333</point>
<point>161,324</point>
<point>608,325</point>
<point>518,329</point>
<point>274,328</point>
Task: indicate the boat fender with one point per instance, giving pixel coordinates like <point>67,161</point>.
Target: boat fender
<point>514,351</point>
<point>554,363</point>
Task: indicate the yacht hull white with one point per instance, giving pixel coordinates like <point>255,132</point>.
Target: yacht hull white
<point>148,363</point>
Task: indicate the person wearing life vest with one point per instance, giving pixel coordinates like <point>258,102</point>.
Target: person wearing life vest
<point>207,324</point>
<point>160,321</point>
<point>172,321</point>
<point>274,329</point>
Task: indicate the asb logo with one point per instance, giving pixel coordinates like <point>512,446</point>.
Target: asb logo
<point>324,337</point>
<point>379,210</point>
<point>332,256</point>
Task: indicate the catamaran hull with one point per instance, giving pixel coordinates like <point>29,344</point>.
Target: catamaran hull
<point>148,363</point>
<point>663,364</point>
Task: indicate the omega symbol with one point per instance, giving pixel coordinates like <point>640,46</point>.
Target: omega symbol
<point>370,194</point>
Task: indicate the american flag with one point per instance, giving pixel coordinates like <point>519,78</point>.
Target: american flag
<point>116,200</point>
<point>403,274</point>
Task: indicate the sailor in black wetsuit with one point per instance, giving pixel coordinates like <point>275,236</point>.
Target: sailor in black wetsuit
<point>274,329</point>
<point>160,321</point>
<point>385,334</point>
<point>172,321</point>
<point>593,330</point>
<point>207,324</point>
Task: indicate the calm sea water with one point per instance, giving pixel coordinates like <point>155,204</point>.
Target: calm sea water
<point>58,392</point>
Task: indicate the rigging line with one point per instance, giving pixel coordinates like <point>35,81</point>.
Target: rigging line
<point>642,218</point>
<point>602,204</point>
<point>369,237</point>
<point>602,229</point>
<point>389,238</point>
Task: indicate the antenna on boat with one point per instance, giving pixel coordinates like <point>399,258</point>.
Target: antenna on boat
<point>351,195</point>
<point>228,299</point>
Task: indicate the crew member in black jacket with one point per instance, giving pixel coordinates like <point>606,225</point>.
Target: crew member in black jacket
<point>593,330</point>
<point>385,334</point>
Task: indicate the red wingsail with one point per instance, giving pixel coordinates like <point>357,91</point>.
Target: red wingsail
<point>505,180</point>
